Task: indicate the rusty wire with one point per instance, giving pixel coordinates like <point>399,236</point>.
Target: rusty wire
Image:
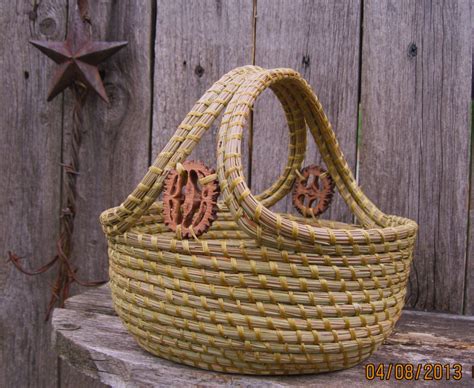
<point>66,272</point>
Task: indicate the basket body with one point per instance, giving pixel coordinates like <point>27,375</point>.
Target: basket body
<point>259,292</point>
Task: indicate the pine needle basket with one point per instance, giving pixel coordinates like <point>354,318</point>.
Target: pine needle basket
<point>258,293</point>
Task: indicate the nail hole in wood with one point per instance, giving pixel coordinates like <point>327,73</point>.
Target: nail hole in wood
<point>68,326</point>
<point>306,60</point>
<point>412,50</point>
<point>199,71</point>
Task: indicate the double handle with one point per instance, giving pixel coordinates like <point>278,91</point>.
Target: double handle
<point>237,92</point>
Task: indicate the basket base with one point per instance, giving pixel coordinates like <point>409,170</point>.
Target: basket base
<point>254,369</point>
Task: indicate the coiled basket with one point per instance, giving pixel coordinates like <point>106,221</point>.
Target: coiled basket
<point>259,292</point>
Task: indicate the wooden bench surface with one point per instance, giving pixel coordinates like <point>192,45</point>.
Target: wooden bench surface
<point>88,334</point>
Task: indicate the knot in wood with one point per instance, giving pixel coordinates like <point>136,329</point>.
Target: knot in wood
<point>190,200</point>
<point>313,191</point>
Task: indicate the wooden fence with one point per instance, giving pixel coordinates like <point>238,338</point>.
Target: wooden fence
<point>393,76</point>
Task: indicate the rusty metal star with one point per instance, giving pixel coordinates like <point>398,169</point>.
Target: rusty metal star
<point>78,58</point>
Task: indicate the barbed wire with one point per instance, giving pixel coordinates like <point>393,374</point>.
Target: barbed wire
<point>67,272</point>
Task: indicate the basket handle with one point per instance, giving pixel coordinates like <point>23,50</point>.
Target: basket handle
<point>267,227</point>
<point>189,132</point>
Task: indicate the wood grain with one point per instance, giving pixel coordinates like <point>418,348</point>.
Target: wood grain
<point>469,270</point>
<point>197,41</point>
<point>414,154</point>
<point>98,345</point>
<point>320,39</point>
<point>71,377</point>
<point>30,145</point>
<point>114,152</point>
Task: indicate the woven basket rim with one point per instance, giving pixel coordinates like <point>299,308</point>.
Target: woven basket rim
<point>402,222</point>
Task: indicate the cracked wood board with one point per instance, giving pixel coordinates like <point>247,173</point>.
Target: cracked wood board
<point>414,152</point>
<point>320,40</point>
<point>30,145</point>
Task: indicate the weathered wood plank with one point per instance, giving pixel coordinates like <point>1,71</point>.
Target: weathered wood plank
<point>99,346</point>
<point>102,302</point>
<point>114,152</point>
<point>414,154</point>
<point>71,377</point>
<point>469,286</point>
<point>30,145</point>
<point>319,39</point>
<point>197,42</point>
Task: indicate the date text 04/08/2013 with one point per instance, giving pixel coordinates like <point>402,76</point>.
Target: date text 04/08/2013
<point>427,372</point>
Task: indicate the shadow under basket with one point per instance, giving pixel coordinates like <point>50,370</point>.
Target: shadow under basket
<point>255,292</point>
